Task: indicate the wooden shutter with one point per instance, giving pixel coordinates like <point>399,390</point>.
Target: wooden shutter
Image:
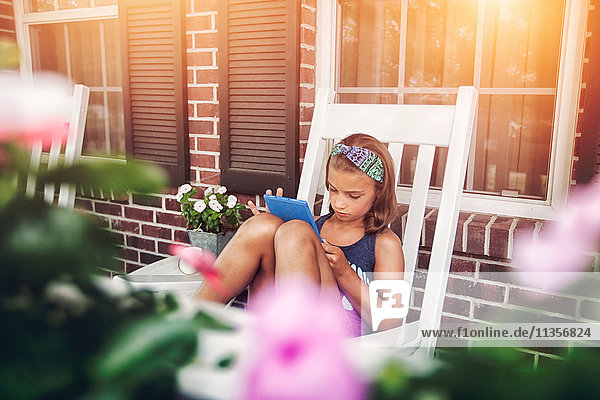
<point>155,83</point>
<point>258,94</point>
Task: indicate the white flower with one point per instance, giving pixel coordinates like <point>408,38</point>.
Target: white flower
<point>199,206</point>
<point>212,197</point>
<point>208,191</point>
<point>222,190</point>
<point>231,201</point>
<point>179,196</point>
<point>214,204</point>
<point>112,287</point>
<point>68,296</point>
<point>185,188</point>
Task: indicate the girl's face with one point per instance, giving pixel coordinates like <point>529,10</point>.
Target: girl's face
<point>351,194</point>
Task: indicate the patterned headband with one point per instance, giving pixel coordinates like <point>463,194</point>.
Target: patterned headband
<point>366,160</point>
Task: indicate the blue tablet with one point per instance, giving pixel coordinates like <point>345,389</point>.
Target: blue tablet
<point>288,209</point>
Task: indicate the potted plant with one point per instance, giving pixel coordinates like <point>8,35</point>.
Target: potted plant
<point>211,221</point>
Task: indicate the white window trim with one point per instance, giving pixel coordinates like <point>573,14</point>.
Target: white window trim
<point>24,20</point>
<point>567,102</point>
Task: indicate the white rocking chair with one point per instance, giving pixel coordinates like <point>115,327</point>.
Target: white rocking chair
<point>428,126</point>
<point>75,116</point>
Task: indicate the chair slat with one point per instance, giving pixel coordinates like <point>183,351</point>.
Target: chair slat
<point>34,165</point>
<point>396,150</point>
<point>75,117</point>
<point>55,151</point>
<point>408,123</point>
<point>445,228</point>
<point>416,211</point>
<point>74,145</point>
<point>315,150</point>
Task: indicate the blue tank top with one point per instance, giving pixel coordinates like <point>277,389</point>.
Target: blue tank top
<point>360,255</point>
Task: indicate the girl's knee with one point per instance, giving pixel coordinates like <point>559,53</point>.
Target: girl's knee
<point>294,231</point>
<point>261,225</point>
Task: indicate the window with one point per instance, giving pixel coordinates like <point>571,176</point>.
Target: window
<point>80,39</point>
<point>513,51</point>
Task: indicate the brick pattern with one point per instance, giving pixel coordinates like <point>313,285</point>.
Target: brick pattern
<point>477,234</point>
<point>203,104</point>
<point>594,4</point>
<point>144,225</point>
<point>481,294</point>
<point>476,292</point>
<point>308,29</point>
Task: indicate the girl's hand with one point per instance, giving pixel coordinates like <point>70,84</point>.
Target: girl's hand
<point>335,255</point>
<point>252,206</point>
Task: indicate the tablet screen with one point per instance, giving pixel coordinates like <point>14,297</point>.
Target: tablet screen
<point>289,209</point>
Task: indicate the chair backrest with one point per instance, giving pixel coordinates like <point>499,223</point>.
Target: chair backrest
<point>428,126</point>
<point>70,151</point>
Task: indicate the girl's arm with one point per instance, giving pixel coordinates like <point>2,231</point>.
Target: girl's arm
<point>389,258</point>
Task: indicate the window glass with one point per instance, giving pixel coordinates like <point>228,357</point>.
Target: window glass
<point>370,43</point>
<point>55,5</point>
<point>440,42</point>
<point>508,49</point>
<point>87,52</point>
<point>521,43</point>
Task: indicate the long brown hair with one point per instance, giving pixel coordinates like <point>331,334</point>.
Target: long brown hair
<point>384,208</point>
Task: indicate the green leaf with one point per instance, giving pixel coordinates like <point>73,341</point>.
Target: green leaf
<point>110,175</point>
<point>144,347</point>
<point>40,242</point>
<point>9,54</point>
<point>8,190</point>
<point>206,320</point>
<point>226,362</point>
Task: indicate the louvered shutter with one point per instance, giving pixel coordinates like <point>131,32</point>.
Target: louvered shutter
<point>155,83</point>
<point>258,94</point>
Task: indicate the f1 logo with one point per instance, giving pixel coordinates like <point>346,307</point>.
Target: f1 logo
<point>389,299</point>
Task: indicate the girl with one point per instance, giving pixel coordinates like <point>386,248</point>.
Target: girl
<point>356,239</point>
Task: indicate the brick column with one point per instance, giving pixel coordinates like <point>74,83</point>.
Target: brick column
<point>202,45</point>
<point>308,29</point>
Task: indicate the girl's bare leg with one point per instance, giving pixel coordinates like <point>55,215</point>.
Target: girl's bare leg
<point>298,252</point>
<point>248,259</point>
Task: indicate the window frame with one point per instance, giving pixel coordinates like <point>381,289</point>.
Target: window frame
<point>24,20</point>
<point>564,123</point>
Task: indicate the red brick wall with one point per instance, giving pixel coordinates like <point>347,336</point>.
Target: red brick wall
<point>594,4</point>
<point>307,70</point>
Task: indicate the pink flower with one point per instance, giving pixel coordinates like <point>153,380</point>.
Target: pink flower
<point>203,261</point>
<point>553,260</point>
<point>298,351</point>
<point>34,111</point>
<point>581,217</point>
<point>549,263</point>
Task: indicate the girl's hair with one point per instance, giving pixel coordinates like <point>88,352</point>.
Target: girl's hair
<point>384,208</point>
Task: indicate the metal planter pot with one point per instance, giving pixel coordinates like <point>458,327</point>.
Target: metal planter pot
<point>214,242</point>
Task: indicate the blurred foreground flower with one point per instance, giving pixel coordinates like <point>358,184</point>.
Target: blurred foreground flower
<point>553,260</point>
<point>203,261</point>
<point>37,110</point>
<point>298,351</point>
